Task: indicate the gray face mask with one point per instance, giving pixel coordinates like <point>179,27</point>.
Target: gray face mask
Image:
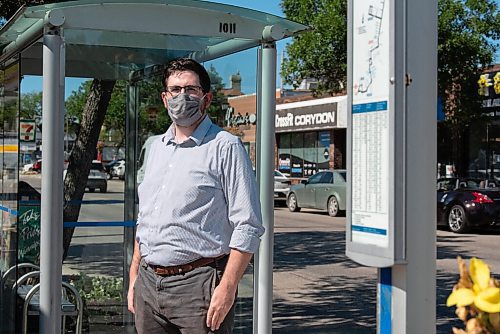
<point>184,109</point>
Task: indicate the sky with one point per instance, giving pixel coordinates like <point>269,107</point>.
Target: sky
<point>244,62</point>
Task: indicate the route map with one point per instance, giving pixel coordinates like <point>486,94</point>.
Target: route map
<point>371,51</point>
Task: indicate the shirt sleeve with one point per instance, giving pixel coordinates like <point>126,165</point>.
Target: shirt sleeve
<point>240,190</point>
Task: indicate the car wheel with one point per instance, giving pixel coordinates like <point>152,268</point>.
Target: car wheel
<point>109,176</point>
<point>91,190</point>
<point>333,206</point>
<point>103,189</point>
<point>457,220</point>
<point>292,203</point>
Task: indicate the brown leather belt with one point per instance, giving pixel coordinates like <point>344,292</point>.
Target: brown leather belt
<point>184,268</point>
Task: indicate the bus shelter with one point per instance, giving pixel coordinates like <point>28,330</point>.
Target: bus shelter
<point>115,40</point>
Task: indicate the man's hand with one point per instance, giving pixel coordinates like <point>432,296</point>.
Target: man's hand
<point>225,292</point>
<point>130,296</point>
<point>134,270</point>
<point>221,303</point>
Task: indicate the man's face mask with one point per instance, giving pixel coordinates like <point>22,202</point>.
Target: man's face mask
<point>185,109</point>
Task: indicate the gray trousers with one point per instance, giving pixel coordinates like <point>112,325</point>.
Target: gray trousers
<point>177,304</point>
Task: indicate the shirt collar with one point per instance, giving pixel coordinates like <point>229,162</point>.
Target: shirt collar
<point>197,136</point>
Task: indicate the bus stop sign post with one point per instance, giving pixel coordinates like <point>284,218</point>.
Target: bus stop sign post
<point>391,223</point>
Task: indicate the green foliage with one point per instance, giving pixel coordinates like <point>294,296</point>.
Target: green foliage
<point>322,52</point>
<point>31,105</point>
<point>94,289</point>
<point>150,103</point>
<point>467,33</point>
<point>115,114</point>
<point>75,103</point>
<point>9,7</point>
<point>215,111</point>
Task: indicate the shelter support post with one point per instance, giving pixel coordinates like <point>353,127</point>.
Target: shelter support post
<point>258,108</point>
<point>51,240</point>
<point>410,285</point>
<point>131,208</point>
<point>266,182</point>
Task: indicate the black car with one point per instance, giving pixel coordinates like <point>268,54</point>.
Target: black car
<point>465,203</point>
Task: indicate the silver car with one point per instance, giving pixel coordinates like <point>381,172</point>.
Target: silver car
<point>98,178</point>
<point>325,190</point>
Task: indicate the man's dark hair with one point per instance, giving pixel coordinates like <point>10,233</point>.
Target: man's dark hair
<point>187,64</point>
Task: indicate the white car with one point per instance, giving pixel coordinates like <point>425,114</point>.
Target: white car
<point>118,170</point>
<point>281,186</point>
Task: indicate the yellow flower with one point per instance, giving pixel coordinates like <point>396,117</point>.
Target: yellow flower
<point>480,274</point>
<point>484,297</point>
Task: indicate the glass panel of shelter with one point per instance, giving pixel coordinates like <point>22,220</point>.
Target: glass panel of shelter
<point>95,257</point>
<point>9,169</point>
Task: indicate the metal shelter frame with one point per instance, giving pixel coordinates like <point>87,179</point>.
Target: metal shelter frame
<point>113,39</point>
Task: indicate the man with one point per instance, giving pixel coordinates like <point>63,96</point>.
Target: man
<point>199,216</point>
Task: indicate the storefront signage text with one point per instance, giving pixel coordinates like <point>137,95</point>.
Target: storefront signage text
<point>489,90</point>
<point>233,120</point>
<point>310,117</point>
<point>298,120</point>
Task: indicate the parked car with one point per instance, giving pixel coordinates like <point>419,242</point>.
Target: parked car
<point>37,166</point>
<point>325,190</point>
<point>98,178</point>
<point>108,167</point>
<point>118,170</point>
<point>463,203</point>
<point>281,186</point>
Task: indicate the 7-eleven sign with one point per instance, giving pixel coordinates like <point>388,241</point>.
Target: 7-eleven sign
<point>27,130</point>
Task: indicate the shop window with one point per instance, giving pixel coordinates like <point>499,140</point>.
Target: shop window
<point>284,160</point>
<point>303,154</point>
<point>323,150</point>
<point>297,155</point>
<point>310,153</point>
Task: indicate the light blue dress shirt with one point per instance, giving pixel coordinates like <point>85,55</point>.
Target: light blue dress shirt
<point>198,198</point>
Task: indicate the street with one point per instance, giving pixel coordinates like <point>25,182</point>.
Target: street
<point>317,289</point>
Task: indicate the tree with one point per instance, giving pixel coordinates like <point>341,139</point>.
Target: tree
<point>322,52</point>
<point>31,105</point>
<point>215,109</point>
<point>83,152</point>
<point>468,32</point>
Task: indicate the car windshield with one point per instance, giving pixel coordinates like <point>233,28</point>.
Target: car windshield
<point>452,183</point>
<point>97,166</point>
<point>344,175</point>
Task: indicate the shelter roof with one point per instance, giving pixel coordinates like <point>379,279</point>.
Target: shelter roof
<point>113,38</point>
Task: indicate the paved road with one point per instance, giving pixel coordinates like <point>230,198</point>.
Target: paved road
<point>316,288</point>
<point>330,291</point>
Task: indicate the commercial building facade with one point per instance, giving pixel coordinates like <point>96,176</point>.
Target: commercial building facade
<point>310,133</point>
